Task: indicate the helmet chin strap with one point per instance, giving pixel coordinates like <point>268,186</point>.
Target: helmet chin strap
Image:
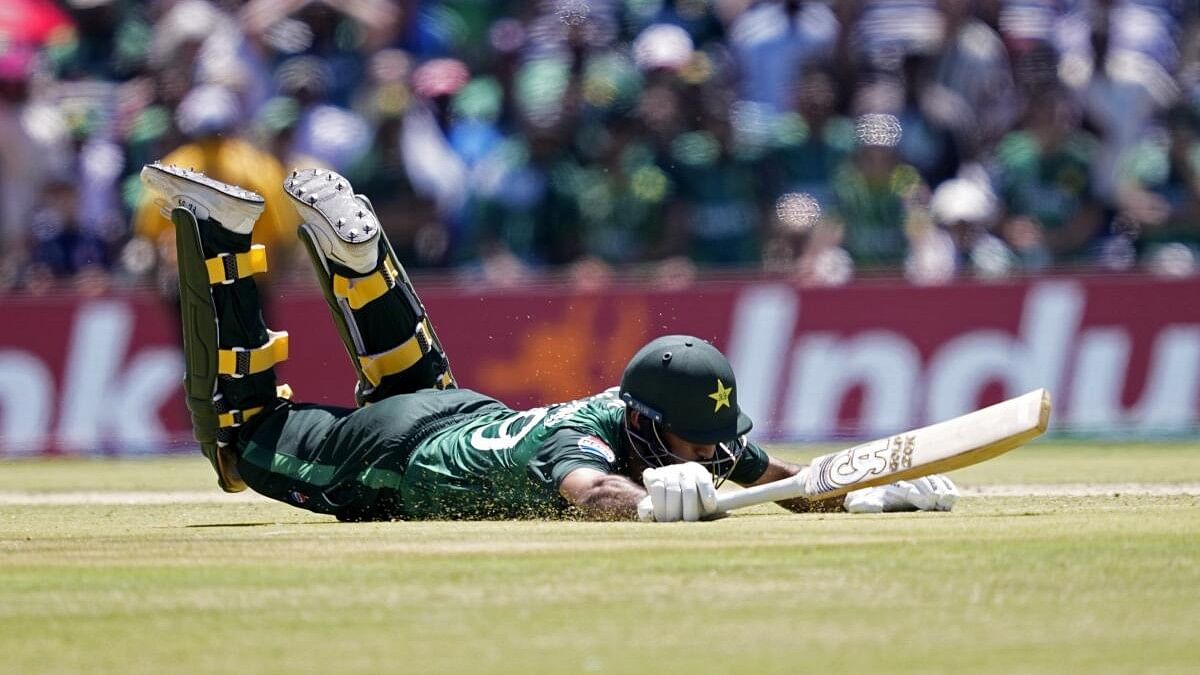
<point>655,452</point>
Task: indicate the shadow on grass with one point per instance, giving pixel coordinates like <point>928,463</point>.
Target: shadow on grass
<point>265,523</point>
<point>231,524</point>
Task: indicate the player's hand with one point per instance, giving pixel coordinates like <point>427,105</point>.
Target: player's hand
<point>928,493</point>
<point>677,492</point>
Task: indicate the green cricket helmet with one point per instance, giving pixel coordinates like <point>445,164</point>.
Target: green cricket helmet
<point>684,385</point>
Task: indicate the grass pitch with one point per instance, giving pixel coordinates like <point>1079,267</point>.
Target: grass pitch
<point>144,567</point>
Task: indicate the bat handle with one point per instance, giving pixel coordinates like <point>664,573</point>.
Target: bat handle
<point>787,488</point>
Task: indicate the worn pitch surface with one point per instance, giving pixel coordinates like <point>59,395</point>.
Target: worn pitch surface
<point>1060,558</point>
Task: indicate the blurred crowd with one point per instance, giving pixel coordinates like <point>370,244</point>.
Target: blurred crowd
<point>504,141</point>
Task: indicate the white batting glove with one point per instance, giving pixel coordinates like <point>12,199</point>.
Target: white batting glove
<point>677,492</point>
<point>928,493</point>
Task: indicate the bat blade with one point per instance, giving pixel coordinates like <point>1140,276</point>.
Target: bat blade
<point>937,448</point>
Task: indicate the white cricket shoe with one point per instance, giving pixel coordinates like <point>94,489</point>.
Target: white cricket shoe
<point>340,222</point>
<point>235,208</point>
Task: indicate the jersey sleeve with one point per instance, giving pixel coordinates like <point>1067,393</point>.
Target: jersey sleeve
<point>751,466</point>
<point>570,449</point>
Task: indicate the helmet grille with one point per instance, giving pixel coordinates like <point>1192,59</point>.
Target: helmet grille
<point>647,441</point>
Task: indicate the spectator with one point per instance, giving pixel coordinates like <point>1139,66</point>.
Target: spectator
<point>338,35</point>
<point>323,134</point>
<point>804,246</point>
<point>809,145</point>
<point>587,137</point>
<point>1043,178</point>
<point>60,248</point>
<point>109,42</point>
<point>774,42</point>
<point>1119,88</point>
<point>209,117</point>
<point>521,213</point>
<point>718,217</point>
<point>35,138</point>
<point>1159,192</point>
<point>410,215</point>
<point>877,196</point>
<point>973,78</point>
<point>929,116</point>
<point>620,198</point>
<point>887,31</point>
<point>436,168</point>
<point>964,213</point>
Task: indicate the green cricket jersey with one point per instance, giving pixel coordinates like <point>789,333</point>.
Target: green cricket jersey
<point>509,464</point>
<point>439,454</point>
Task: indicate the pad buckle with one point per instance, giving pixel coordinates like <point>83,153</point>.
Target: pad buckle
<point>237,362</point>
<point>229,266</point>
<point>226,268</point>
<point>229,418</point>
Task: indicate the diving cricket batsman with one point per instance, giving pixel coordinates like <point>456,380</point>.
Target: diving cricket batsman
<point>416,446</point>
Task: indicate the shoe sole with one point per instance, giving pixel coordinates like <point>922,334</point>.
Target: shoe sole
<point>177,184</point>
<point>327,203</point>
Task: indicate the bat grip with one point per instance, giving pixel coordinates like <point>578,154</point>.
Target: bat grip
<point>787,488</point>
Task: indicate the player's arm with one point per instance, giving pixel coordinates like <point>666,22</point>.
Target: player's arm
<point>602,496</point>
<point>778,469</point>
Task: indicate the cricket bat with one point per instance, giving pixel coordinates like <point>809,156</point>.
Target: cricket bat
<point>937,448</point>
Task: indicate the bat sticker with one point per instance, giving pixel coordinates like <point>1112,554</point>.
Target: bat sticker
<point>852,465</point>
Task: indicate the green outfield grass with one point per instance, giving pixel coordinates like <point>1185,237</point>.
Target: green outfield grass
<point>1038,584</point>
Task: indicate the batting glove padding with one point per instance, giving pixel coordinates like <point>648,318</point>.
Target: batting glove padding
<point>677,492</point>
<point>928,493</point>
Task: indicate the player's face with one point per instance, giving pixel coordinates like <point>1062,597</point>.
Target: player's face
<point>687,451</point>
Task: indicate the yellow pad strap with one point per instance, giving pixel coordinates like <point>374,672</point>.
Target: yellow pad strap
<point>227,268</point>
<point>236,418</point>
<point>239,362</point>
<point>359,291</point>
<point>445,381</point>
<point>397,359</point>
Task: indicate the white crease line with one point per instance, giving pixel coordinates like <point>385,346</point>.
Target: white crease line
<point>125,498</point>
<point>1083,490</point>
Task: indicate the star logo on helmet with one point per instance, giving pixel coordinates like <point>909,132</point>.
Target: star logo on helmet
<point>721,396</point>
